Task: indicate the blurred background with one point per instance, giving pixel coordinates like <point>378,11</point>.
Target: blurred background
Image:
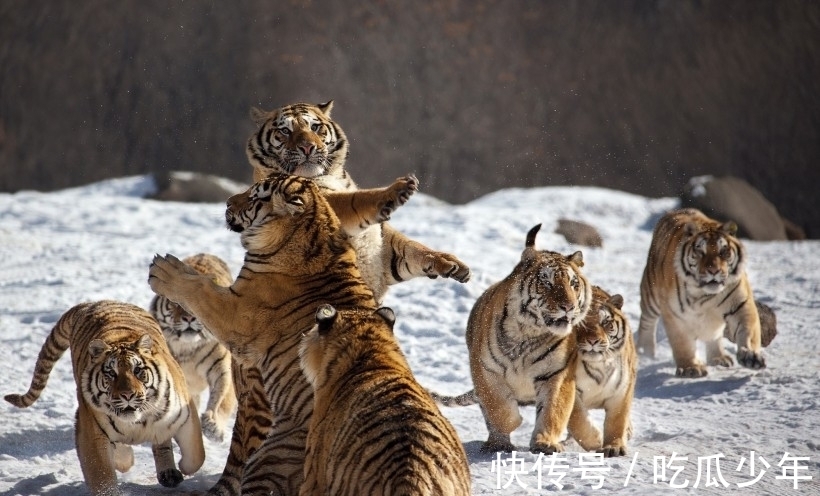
<point>471,95</point>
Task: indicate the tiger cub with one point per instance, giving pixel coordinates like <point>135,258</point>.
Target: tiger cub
<point>374,429</point>
<point>522,348</point>
<point>205,362</point>
<point>695,280</point>
<point>302,139</point>
<point>604,376</point>
<point>297,257</point>
<point>130,391</point>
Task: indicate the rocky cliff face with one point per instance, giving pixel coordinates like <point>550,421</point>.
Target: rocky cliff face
<point>472,96</point>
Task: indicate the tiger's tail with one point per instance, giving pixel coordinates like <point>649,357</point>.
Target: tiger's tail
<point>464,399</point>
<point>56,343</point>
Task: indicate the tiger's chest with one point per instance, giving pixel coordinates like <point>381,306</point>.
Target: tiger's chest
<point>523,364</point>
<point>596,382</point>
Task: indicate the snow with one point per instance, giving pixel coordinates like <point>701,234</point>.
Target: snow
<point>96,242</point>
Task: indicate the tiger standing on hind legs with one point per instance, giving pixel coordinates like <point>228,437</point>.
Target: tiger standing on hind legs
<point>695,280</point>
<point>522,349</point>
<point>297,257</point>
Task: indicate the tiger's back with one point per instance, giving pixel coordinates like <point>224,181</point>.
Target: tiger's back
<point>374,429</point>
<point>130,391</point>
<point>695,280</point>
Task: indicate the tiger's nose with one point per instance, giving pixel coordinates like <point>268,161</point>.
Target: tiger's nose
<point>307,148</point>
<point>568,307</point>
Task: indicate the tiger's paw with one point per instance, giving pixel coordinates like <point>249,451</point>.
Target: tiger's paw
<point>613,450</point>
<point>546,448</point>
<point>446,265</point>
<point>164,275</point>
<point>750,359</point>
<point>692,371</point>
<point>170,477</point>
<point>496,446</point>
<point>211,428</point>
<point>399,193</point>
<point>722,361</point>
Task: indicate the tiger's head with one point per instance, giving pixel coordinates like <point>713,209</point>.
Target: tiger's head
<point>555,295</point>
<point>298,139</point>
<point>124,376</point>
<point>710,256</point>
<point>604,330</point>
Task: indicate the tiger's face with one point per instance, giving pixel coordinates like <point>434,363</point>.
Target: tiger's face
<point>124,376</point>
<point>180,328</point>
<point>711,258</point>
<point>298,139</point>
<point>603,332</point>
<point>555,295</point>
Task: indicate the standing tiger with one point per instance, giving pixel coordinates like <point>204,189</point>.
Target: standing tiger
<point>302,139</point>
<point>604,376</point>
<point>695,280</point>
<point>129,389</point>
<point>205,362</point>
<point>374,429</point>
<point>297,257</point>
<point>522,349</point>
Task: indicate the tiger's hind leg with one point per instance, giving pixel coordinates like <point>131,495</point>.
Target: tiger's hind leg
<point>404,259</point>
<point>359,209</point>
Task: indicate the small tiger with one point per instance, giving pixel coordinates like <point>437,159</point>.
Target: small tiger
<point>374,429</point>
<point>205,362</point>
<point>695,280</point>
<point>297,257</point>
<point>302,139</point>
<point>522,348</point>
<point>605,376</point>
<point>130,391</point>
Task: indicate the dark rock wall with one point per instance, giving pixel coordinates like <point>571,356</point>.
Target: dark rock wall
<point>472,96</point>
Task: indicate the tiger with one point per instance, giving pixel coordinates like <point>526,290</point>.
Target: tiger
<point>130,390</point>
<point>297,257</point>
<point>374,429</point>
<point>604,376</point>
<point>695,280</point>
<point>303,140</point>
<point>522,349</point>
<point>205,362</point>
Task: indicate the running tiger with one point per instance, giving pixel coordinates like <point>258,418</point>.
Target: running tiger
<point>302,139</point>
<point>695,280</point>
<point>374,429</point>
<point>522,349</point>
<point>605,376</point>
<point>130,391</point>
<point>297,256</point>
<point>204,361</point>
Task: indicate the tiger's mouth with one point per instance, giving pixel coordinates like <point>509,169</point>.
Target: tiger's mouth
<point>559,322</point>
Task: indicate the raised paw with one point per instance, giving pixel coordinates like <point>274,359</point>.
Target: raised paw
<point>750,359</point>
<point>722,361</point>
<point>210,428</point>
<point>164,272</point>
<point>613,450</point>
<point>446,265</point>
<point>170,477</point>
<point>691,372</point>
<point>401,191</point>
<point>547,448</point>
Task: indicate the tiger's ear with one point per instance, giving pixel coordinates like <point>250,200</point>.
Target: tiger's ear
<point>145,342</point>
<point>729,228</point>
<point>325,317</point>
<point>617,301</point>
<point>388,315</point>
<point>326,107</point>
<point>577,258</point>
<point>690,228</point>
<point>258,115</point>
<point>97,347</point>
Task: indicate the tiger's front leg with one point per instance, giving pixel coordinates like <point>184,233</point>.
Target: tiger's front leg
<point>359,209</point>
<point>404,259</point>
<point>744,326</point>
<point>554,402</point>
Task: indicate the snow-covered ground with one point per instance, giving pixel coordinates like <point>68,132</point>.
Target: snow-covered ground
<point>758,428</point>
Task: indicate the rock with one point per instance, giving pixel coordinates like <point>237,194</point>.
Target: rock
<point>579,233</point>
<point>194,187</point>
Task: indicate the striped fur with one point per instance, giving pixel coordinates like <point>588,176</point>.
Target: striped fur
<point>374,429</point>
<point>695,280</point>
<point>297,257</point>
<point>522,349</point>
<point>130,391</point>
<point>604,376</point>
<point>205,362</point>
<point>302,139</point>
